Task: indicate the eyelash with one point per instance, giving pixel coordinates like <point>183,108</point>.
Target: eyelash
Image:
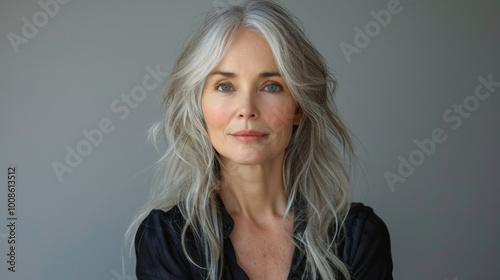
<point>223,84</point>
<point>218,85</point>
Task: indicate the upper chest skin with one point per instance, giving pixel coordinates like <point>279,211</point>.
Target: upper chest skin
<point>263,251</point>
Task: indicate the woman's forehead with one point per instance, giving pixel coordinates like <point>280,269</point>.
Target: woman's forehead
<point>249,52</point>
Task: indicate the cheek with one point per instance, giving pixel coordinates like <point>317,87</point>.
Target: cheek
<point>215,116</point>
<point>282,116</point>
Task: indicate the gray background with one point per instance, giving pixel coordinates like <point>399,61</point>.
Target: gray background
<point>443,218</point>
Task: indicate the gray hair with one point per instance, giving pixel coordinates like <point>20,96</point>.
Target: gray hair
<point>317,160</point>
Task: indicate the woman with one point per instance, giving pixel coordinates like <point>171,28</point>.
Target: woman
<point>254,183</point>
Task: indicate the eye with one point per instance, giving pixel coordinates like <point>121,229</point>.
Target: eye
<point>273,88</point>
<point>224,87</point>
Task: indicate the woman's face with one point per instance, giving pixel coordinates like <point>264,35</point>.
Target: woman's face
<point>248,109</point>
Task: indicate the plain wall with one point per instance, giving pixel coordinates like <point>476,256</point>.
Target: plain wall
<point>406,84</point>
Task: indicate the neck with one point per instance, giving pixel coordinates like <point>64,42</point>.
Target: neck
<point>254,191</point>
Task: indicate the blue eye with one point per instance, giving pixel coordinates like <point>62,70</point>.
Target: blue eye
<point>273,88</point>
<point>224,87</point>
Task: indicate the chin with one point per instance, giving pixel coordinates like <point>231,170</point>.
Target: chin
<point>247,157</point>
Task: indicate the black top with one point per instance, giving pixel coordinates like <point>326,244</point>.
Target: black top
<point>366,249</point>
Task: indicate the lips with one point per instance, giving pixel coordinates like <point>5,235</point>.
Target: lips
<point>248,135</point>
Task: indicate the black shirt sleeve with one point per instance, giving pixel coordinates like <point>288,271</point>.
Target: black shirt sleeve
<point>158,248</point>
<point>367,250</point>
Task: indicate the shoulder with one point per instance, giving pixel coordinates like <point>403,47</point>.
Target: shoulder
<point>367,248</point>
<point>159,220</point>
<point>159,227</point>
<point>158,246</point>
<point>361,216</point>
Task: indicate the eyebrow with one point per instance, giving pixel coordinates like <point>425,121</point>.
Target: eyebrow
<point>232,75</point>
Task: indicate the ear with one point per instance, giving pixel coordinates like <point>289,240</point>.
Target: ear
<point>297,116</point>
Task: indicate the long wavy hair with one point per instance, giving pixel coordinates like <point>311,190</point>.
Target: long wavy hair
<point>317,159</point>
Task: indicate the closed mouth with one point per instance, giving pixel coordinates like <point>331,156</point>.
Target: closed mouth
<point>248,135</point>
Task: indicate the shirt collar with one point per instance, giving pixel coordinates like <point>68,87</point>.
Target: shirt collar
<point>227,221</point>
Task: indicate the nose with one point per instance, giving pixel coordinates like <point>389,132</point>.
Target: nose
<point>247,105</point>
